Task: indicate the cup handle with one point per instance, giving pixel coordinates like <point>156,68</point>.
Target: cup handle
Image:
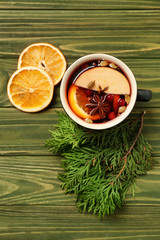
<point>144,95</point>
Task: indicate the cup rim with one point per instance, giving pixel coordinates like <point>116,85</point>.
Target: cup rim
<point>69,72</point>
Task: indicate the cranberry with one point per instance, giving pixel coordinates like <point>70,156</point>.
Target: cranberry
<point>88,92</point>
<point>121,102</point>
<point>111,115</point>
<point>110,98</point>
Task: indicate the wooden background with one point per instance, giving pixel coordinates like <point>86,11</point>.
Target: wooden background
<point>32,204</point>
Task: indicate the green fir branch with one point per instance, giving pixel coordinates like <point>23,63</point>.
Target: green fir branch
<point>100,166</point>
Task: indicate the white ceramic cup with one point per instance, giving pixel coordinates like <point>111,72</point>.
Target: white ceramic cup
<point>75,66</point>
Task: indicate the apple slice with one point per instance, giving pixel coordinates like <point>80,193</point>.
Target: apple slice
<point>104,77</point>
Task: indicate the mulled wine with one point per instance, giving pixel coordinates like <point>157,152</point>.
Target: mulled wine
<point>98,91</point>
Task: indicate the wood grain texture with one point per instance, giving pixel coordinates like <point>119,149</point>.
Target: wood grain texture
<point>124,34</point>
<point>25,134</point>
<point>45,222</point>
<point>80,4</point>
<point>32,180</point>
<point>33,206</point>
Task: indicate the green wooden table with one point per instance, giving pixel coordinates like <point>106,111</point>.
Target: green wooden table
<point>32,204</point>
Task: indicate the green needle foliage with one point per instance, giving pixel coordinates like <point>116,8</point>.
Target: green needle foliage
<point>100,166</point>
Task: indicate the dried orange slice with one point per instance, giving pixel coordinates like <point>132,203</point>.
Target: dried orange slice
<point>45,56</point>
<point>30,89</point>
<point>77,100</point>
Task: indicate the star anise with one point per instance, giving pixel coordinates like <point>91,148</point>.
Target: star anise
<point>101,91</point>
<point>99,105</point>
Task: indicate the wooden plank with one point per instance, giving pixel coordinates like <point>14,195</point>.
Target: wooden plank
<point>32,204</point>
<point>80,4</point>
<point>48,222</point>
<point>25,134</point>
<point>32,180</point>
<point>146,79</point>
<point>125,34</point>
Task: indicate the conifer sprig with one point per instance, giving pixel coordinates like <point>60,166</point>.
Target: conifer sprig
<point>100,166</point>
